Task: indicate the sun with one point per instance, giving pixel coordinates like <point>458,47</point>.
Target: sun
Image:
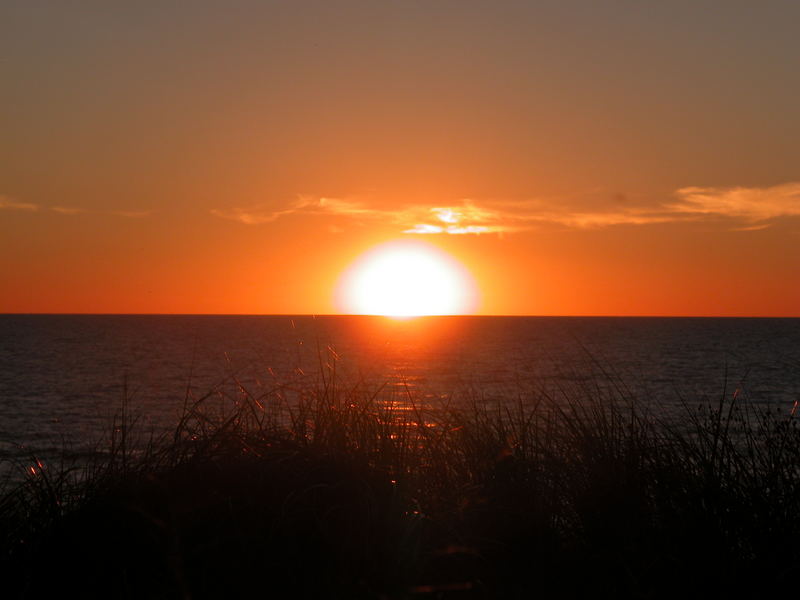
<point>406,279</point>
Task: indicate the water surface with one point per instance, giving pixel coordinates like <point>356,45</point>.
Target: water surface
<point>62,377</point>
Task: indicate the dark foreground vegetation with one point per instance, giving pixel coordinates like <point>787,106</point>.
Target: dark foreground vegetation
<point>344,493</point>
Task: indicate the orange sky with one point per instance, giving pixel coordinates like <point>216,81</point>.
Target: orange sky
<point>579,158</point>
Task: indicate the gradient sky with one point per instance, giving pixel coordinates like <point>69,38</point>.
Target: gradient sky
<point>579,158</point>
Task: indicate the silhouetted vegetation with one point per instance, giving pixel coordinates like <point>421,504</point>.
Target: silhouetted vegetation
<point>346,492</point>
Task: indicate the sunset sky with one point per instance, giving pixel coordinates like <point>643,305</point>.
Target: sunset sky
<point>577,158</point>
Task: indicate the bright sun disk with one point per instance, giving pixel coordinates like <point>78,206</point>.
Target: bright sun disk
<point>406,279</point>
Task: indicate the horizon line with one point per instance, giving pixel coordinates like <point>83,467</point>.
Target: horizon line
<point>404,318</point>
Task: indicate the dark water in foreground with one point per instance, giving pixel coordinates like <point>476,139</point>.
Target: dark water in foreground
<point>62,377</point>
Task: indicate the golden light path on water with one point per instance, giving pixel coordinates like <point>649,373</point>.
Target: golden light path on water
<point>406,279</point>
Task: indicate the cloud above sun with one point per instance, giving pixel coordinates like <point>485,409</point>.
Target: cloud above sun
<point>465,218</point>
<point>460,220</point>
<point>748,208</point>
<point>468,217</point>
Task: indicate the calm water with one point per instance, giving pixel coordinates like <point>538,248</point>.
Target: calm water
<point>63,377</point>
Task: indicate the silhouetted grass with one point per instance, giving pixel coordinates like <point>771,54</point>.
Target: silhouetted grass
<point>344,491</point>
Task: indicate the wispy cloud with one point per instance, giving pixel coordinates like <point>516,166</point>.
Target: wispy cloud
<point>427,228</point>
<point>258,215</point>
<point>7,203</point>
<point>748,204</point>
<point>68,210</point>
<point>758,227</point>
<point>753,208</point>
<point>462,219</point>
<point>509,216</point>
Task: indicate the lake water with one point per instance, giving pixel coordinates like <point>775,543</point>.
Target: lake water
<point>62,377</point>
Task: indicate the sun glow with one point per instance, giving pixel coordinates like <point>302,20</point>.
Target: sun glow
<point>406,279</point>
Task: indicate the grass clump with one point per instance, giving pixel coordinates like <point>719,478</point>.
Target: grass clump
<point>332,491</point>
